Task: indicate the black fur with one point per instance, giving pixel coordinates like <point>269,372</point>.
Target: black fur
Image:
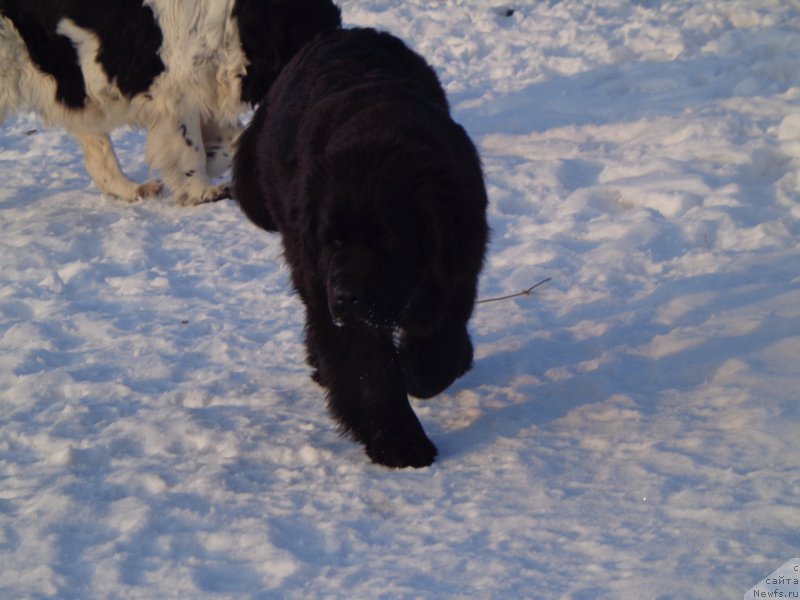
<point>380,200</point>
<point>288,24</point>
<point>130,40</point>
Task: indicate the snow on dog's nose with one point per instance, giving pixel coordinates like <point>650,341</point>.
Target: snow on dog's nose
<point>346,300</point>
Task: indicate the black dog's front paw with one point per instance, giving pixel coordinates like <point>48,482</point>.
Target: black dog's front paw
<point>432,365</point>
<point>398,449</point>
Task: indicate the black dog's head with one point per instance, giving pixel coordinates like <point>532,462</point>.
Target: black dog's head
<point>384,235</point>
<point>375,266</point>
<point>271,33</point>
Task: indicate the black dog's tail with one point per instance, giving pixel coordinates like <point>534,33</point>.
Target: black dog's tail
<point>247,174</point>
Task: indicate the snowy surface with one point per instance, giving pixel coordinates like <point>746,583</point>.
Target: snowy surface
<point>631,431</point>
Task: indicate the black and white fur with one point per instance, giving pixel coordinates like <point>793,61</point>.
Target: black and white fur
<point>183,69</point>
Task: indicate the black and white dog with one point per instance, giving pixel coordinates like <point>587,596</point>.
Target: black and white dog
<point>183,69</point>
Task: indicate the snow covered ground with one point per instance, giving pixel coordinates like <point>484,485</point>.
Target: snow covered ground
<point>631,431</point>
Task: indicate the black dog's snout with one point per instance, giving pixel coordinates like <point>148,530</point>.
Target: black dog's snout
<point>345,299</point>
<point>347,294</point>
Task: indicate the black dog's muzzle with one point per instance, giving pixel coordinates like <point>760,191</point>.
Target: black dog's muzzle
<point>346,300</point>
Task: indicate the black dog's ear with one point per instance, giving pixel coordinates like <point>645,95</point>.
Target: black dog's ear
<point>440,242</point>
<point>271,33</point>
<point>455,226</point>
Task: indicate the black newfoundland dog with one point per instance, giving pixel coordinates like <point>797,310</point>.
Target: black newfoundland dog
<point>380,200</point>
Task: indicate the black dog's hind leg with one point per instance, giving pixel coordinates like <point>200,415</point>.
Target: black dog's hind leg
<point>433,362</point>
<point>367,394</point>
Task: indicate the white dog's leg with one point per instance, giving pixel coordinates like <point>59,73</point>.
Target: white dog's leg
<point>218,140</point>
<point>103,167</point>
<point>176,149</point>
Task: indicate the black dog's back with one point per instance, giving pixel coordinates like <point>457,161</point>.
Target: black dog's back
<point>371,68</point>
<point>367,57</point>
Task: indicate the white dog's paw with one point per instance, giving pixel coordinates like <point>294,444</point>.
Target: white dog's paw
<point>212,193</point>
<point>149,189</point>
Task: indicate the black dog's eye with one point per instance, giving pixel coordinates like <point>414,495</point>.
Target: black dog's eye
<point>333,238</point>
